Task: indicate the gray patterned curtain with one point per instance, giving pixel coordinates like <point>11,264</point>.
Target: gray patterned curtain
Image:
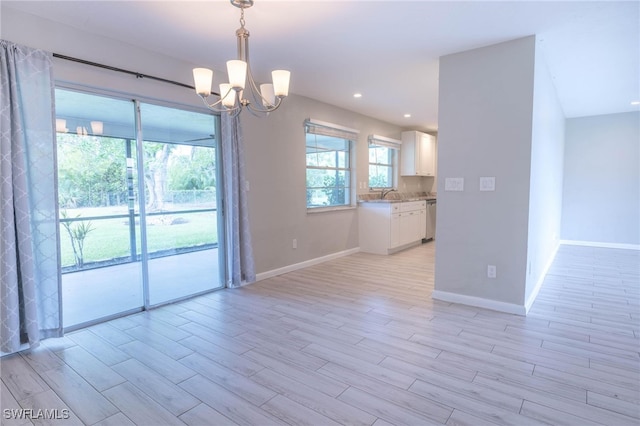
<point>238,235</point>
<point>30,304</point>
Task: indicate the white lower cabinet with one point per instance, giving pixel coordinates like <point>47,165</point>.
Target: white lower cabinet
<point>394,231</point>
<point>389,227</point>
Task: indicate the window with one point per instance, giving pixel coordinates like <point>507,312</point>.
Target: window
<point>328,158</point>
<point>383,161</point>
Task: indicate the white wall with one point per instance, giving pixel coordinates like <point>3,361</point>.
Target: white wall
<point>275,146</point>
<point>485,127</point>
<point>545,188</point>
<point>602,180</point>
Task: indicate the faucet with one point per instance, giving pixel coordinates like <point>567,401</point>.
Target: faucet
<point>385,192</point>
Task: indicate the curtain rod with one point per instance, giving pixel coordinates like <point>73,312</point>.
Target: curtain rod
<point>108,67</point>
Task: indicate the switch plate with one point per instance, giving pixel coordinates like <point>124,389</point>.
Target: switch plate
<point>454,184</point>
<point>487,183</point>
<point>294,243</point>
<point>491,271</point>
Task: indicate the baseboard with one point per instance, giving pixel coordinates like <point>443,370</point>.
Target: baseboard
<point>532,297</point>
<point>602,245</point>
<point>494,305</point>
<point>311,262</point>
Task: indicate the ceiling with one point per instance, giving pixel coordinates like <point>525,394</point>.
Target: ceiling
<point>386,50</point>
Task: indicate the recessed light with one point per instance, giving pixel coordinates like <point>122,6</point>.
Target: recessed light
<point>357,95</point>
<point>407,116</point>
<point>635,103</point>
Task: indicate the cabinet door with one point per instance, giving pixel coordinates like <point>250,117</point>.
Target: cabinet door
<point>418,154</point>
<point>408,230</point>
<point>408,154</point>
<point>423,224</point>
<point>394,240</point>
<point>426,150</point>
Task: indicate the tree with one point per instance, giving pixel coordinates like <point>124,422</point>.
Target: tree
<point>156,156</point>
<point>89,168</point>
<point>194,171</point>
<point>334,189</point>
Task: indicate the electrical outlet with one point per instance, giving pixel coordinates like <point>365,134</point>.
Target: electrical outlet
<point>294,243</point>
<point>491,271</point>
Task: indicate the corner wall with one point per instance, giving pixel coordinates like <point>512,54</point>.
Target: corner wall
<point>485,128</point>
<point>602,180</point>
<point>545,189</point>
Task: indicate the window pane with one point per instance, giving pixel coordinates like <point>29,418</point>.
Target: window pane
<point>380,155</point>
<point>380,167</point>
<point>380,176</point>
<point>321,178</point>
<point>327,187</point>
<point>312,159</point>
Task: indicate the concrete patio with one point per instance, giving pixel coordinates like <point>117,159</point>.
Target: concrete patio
<point>103,292</point>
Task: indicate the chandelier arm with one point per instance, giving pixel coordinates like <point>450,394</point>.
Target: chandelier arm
<point>255,111</point>
<point>255,91</point>
<point>213,106</point>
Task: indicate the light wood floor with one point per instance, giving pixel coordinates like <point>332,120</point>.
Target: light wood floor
<point>355,341</point>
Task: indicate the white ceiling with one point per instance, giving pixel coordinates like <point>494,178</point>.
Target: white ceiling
<point>386,50</point>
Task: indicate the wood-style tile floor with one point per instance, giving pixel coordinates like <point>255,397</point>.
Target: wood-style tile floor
<point>355,341</point>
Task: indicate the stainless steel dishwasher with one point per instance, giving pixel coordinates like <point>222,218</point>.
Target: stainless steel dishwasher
<point>431,220</point>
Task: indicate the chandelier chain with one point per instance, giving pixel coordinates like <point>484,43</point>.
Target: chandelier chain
<point>242,18</point>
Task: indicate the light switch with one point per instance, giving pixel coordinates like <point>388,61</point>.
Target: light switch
<point>487,183</point>
<point>491,271</point>
<point>454,184</point>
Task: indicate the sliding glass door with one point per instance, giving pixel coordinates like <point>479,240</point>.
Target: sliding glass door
<point>180,179</point>
<point>101,272</point>
<point>138,205</point>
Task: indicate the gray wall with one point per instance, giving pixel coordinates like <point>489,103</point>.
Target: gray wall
<point>275,153</point>
<point>545,188</point>
<point>485,128</point>
<point>602,180</point>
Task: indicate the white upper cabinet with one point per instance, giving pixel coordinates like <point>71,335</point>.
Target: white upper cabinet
<point>418,154</point>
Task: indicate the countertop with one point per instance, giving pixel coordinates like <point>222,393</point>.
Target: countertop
<point>401,200</point>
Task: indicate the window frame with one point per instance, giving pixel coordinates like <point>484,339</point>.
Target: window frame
<point>393,145</point>
<point>343,135</point>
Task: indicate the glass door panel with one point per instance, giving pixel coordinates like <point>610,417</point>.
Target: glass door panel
<point>101,270</point>
<point>180,158</point>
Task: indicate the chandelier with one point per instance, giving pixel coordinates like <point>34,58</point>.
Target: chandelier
<point>242,91</point>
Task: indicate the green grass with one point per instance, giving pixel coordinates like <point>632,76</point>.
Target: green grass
<point>110,237</point>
